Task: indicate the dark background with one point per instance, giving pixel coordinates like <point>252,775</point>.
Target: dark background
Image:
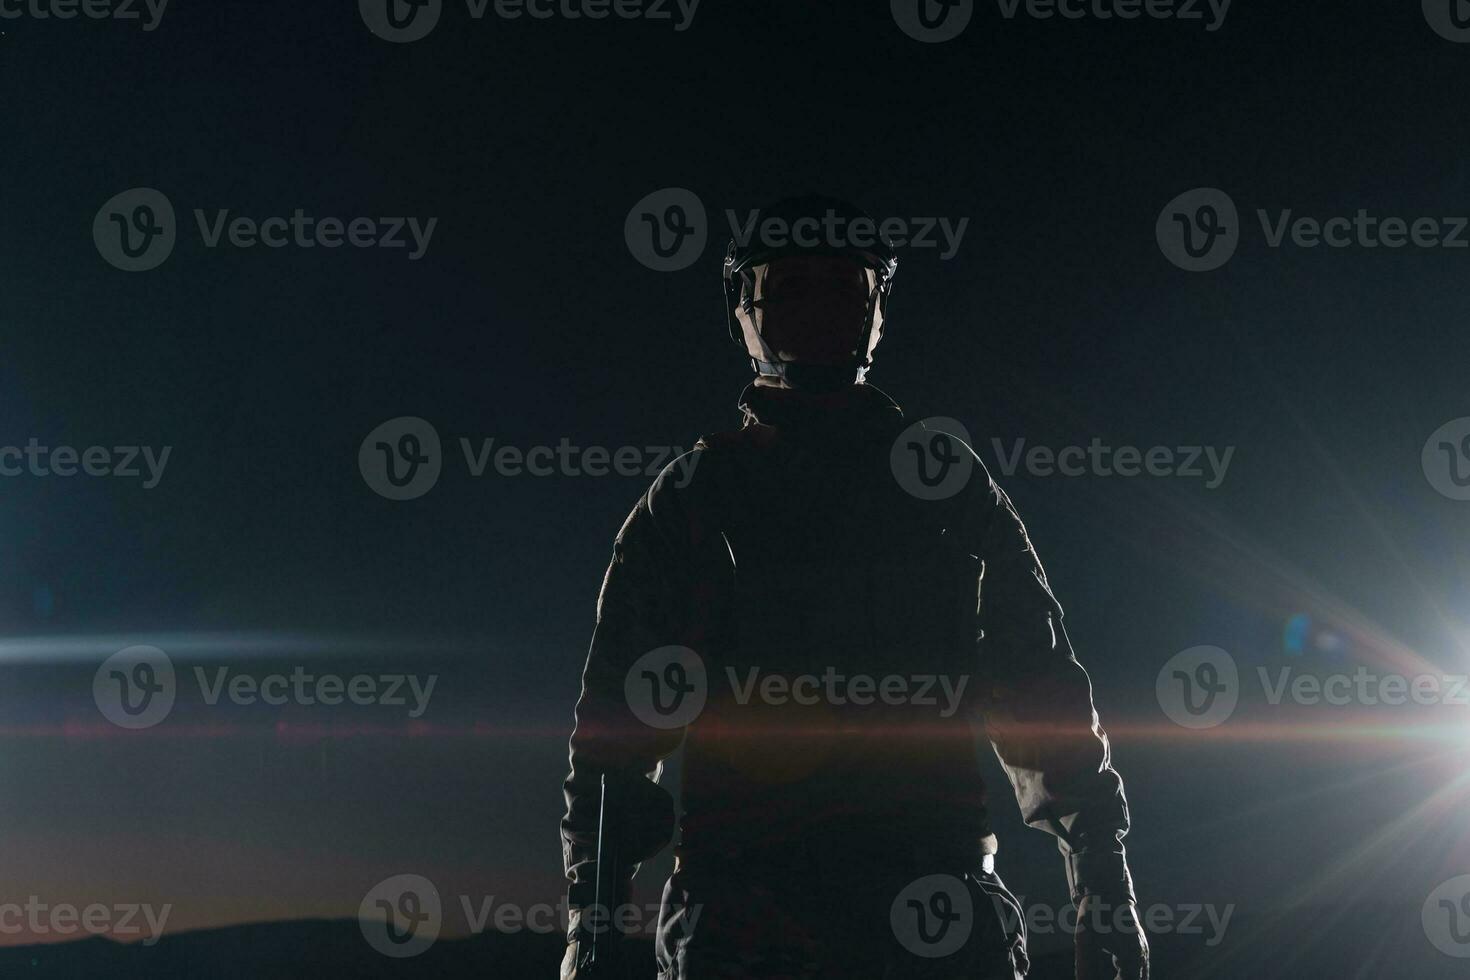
<point>528,320</point>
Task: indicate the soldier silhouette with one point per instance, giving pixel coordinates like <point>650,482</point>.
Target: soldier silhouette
<point>830,614</point>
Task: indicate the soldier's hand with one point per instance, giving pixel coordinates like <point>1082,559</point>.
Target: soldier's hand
<point>569,963</point>
<point>611,966</point>
<point>1111,944</point>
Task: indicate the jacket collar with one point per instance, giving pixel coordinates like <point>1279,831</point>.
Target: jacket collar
<point>857,405</point>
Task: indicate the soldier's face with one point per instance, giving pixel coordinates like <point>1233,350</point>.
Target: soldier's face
<point>813,308</point>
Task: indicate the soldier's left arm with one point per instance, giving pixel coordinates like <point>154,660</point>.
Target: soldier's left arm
<point>1038,706</point>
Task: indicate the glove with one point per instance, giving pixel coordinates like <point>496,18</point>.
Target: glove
<point>615,969</point>
<point>1111,944</point>
<point>582,922</point>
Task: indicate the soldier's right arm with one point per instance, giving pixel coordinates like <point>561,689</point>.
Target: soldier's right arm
<point>644,605</point>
